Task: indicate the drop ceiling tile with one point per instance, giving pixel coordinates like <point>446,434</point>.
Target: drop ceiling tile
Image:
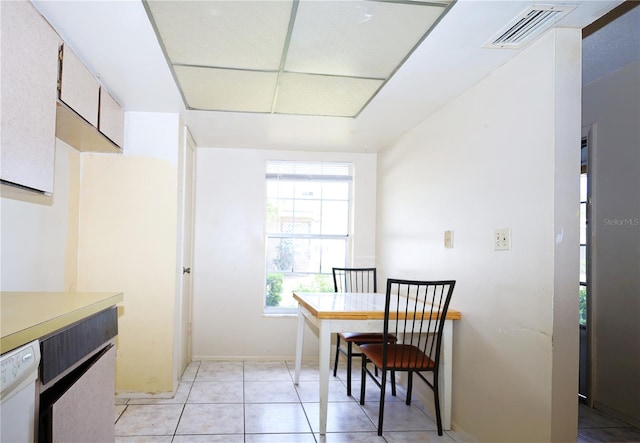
<point>323,95</point>
<point>310,57</point>
<point>357,38</point>
<point>223,34</point>
<point>226,89</point>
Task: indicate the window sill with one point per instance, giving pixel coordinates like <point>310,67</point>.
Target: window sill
<point>280,314</point>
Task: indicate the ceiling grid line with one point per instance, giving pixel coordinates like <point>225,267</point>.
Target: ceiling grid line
<point>285,50</point>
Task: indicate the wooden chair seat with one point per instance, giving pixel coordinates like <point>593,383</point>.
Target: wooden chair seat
<point>400,357</point>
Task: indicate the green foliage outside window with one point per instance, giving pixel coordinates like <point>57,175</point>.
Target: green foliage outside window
<point>274,289</point>
<point>320,283</point>
<point>583,305</point>
<point>278,286</point>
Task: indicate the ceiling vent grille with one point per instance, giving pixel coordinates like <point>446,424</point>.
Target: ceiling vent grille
<point>528,25</point>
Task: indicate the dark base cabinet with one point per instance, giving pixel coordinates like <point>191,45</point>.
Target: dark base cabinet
<point>76,404</point>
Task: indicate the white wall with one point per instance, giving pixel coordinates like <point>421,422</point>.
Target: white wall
<point>111,225</point>
<point>611,107</point>
<point>39,233</point>
<point>229,251</point>
<point>504,154</point>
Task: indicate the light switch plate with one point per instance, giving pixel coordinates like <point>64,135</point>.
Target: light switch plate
<point>448,239</point>
<point>502,239</point>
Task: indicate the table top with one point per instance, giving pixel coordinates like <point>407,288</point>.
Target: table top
<point>351,305</point>
<point>27,316</point>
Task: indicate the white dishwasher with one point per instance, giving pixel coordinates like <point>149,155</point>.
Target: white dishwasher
<point>18,395</point>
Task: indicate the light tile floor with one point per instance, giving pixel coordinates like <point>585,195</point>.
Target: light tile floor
<point>595,427</point>
<point>256,402</point>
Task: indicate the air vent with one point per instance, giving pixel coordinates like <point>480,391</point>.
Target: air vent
<point>531,23</point>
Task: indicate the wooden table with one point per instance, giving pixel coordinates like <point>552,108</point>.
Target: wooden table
<point>332,312</point>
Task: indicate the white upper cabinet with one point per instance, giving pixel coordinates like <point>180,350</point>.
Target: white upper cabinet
<point>79,89</point>
<point>28,97</point>
<point>88,118</point>
<point>111,119</point>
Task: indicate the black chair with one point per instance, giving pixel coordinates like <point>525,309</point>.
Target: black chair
<point>421,335</point>
<point>355,280</point>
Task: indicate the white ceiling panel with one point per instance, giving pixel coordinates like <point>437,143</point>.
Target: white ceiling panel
<point>225,89</point>
<point>356,38</point>
<point>223,34</point>
<point>324,95</point>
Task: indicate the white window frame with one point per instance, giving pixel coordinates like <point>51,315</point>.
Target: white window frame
<point>308,175</point>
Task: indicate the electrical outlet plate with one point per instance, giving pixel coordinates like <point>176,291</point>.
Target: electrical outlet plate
<point>502,239</point>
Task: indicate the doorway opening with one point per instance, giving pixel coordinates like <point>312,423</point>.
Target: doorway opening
<point>583,294</point>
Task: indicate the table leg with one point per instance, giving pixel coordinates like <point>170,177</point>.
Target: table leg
<point>324,363</point>
<point>446,370</point>
<point>299,343</point>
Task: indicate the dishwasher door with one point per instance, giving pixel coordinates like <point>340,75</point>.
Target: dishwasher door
<point>18,395</point>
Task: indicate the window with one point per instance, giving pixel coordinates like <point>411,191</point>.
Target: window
<point>307,228</point>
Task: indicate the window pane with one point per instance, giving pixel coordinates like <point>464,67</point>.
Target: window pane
<point>306,255</point>
<point>308,216</point>
<point>272,189</point>
<point>335,218</point>
<point>274,287</point>
<point>308,190</point>
<point>334,253</point>
<point>335,191</point>
<point>279,215</point>
<point>280,288</point>
<point>280,189</point>
<point>583,305</point>
<point>583,187</point>
<point>280,254</point>
<point>583,264</point>
<point>583,223</point>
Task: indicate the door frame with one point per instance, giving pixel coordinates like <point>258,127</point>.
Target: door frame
<point>184,255</point>
<point>588,132</point>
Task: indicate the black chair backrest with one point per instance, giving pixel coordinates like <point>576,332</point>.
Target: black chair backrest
<point>355,279</point>
<point>430,302</point>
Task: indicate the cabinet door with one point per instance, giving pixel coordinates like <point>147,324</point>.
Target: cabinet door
<point>84,413</point>
<point>111,121</point>
<point>29,77</point>
<point>79,89</point>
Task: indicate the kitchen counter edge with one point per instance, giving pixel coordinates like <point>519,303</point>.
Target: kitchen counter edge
<point>63,314</point>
